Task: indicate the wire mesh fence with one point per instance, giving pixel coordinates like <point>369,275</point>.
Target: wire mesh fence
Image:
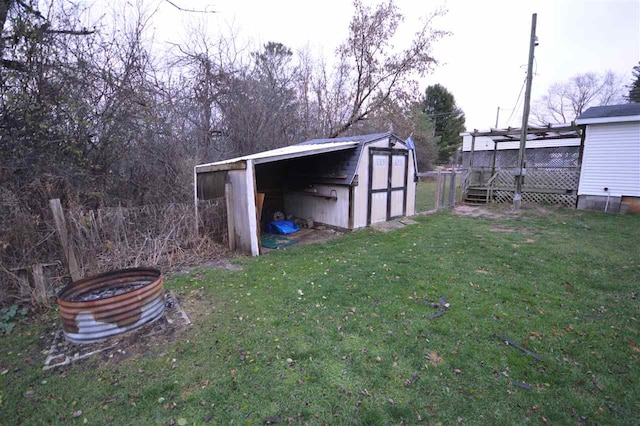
<point>163,236</point>
<point>551,157</point>
<point>438,190</point>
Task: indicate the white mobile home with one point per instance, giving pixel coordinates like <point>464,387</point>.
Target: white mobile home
<point>610,174</point>
<point>346,183</point>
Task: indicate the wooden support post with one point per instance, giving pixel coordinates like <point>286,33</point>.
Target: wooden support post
<point>22,276</point>
<point>493,162</point>
<point>473,149</point>
<point>438,183</point>
<point>61,228</point>
<point>259,204</point>
<point>231,223</point>
<point>517,196</point>
<point>39,293</point>
<point>583,135</point>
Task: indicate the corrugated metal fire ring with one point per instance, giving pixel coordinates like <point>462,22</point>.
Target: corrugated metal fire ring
<point>111,303</point>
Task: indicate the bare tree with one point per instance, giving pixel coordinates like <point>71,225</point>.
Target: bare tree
<point>263,113</point>
<point>23,24</point>
<point>566,100</point>
<point>405,116</point>
<point>368,63</point>
<point>213,69</point>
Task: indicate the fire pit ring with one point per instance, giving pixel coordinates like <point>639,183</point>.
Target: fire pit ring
<point>111,303</point>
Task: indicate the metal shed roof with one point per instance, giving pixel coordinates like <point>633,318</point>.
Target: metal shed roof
<point>347,164</point>
<point>286,153</point>
<point>360,139</point>
<point>610,114</point>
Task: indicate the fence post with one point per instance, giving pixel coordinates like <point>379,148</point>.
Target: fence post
<point>195,202</point>
<point>39,294</point>
<point>452,189</point>
<point>61,228</point>
<point>438,184</point>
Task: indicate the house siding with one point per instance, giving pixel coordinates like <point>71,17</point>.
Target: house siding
<point>611,160</point>
<point>484,143</point>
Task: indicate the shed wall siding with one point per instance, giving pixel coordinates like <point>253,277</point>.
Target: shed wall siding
<point>328,211</point>
<point>360,193</point>
<point>611,160</point>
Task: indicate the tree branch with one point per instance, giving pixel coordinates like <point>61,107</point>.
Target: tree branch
<point>182,9</point>
<point>70,32</point>
<point>13,65</point>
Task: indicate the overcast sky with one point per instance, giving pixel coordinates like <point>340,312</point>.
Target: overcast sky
<point>483,61</point>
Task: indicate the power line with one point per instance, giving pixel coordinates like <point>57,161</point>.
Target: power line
<point>443,114</point>
<point>524,82</point>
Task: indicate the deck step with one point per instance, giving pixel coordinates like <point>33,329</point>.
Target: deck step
<point>476,195</point>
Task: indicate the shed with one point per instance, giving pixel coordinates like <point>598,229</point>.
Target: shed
<point>346,183</point>
<point>610,175</point>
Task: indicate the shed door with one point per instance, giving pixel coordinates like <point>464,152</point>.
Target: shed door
<point>388,171</point>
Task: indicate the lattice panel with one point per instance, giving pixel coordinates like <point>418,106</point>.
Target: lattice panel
<point>565,199</point>
<point>503,196</point>
<point>565,180</point>
<point>552,179</point>
<point>538,198</point>
<point>505,179</point>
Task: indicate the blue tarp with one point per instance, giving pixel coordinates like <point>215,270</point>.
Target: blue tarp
<point>284,227</point>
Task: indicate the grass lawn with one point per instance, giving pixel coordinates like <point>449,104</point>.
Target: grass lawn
<point>338,333</point>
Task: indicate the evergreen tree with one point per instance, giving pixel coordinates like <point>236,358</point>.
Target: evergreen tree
<point>440,106</point>
<point>634,87</point>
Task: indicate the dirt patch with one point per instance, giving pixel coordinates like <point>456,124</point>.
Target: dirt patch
<point>222,263</point>
<point>124,346</point>
<point>393,224</point>
<point>503,211</point>
<point>197,304</point>
<point>318,235</point>
<point>508,230</point>
<point>476,211</point>
<point>504,229</point>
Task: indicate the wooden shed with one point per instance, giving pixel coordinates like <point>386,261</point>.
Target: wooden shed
<point>345,183</point>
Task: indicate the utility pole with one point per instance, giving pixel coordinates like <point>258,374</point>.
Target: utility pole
<point>497,117</point>
<point>517,196</point>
